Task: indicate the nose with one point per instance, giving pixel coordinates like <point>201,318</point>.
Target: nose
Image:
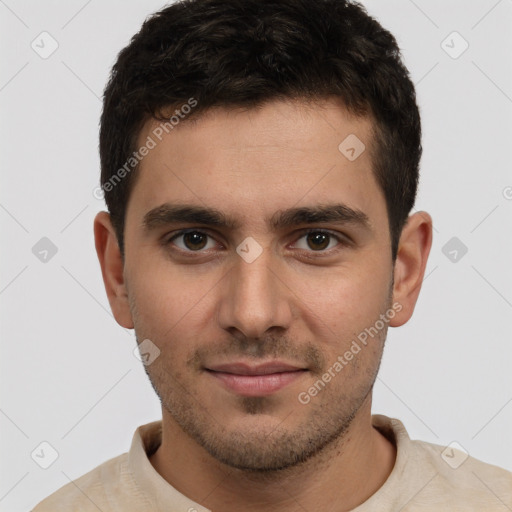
<point>255,300</point>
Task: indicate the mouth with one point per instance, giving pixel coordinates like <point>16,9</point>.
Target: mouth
<point>255,380</point>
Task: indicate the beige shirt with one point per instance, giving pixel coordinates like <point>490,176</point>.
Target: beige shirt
<point>425,477</point>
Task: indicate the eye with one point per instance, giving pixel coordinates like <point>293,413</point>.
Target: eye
<point>192,241</point>
<point>318,241</point>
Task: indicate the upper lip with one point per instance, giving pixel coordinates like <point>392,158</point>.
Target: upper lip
<point>240,368</point>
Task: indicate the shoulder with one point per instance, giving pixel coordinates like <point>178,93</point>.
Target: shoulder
<point>428,476</point>
<point>458,479</point>
<point>113,485</point>
<point>91,491</point>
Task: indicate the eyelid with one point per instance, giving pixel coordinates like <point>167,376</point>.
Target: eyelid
<point>167,239</point>
<point>343,240</point>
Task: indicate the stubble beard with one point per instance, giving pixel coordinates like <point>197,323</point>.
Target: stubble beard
<point>260,450</point>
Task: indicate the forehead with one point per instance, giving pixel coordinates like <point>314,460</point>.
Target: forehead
<point>247,162</point>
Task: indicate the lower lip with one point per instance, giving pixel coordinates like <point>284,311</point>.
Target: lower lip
<point>256,385</point>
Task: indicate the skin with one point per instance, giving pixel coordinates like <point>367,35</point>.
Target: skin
<point>300,301</point>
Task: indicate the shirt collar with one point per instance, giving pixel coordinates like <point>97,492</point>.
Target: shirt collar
<point>156,489</point>
<point>162,495</point>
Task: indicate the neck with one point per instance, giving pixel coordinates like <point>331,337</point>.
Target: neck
<point>347,472</point>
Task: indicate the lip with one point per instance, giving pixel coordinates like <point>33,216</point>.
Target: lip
<point>255,380</point>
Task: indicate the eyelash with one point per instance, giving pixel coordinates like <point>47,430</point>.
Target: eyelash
<point>343,242</point>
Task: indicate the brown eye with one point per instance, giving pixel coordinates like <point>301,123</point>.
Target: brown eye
<point>192,241</point>
<point>195,240</point>
<point>318,241</point>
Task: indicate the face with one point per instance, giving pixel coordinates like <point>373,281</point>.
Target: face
<point>257,260</point>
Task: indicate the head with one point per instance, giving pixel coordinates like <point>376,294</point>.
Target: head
<point>284,138</point>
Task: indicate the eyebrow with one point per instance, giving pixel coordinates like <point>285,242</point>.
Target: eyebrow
<point>168,213</point>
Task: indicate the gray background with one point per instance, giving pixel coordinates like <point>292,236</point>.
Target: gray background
<point>68,373</point>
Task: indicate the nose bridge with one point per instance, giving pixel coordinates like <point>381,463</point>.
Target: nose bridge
<point>255,299</point>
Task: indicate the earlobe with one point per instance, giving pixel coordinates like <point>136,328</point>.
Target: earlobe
<point>410,264</point>
<point>112,269</point>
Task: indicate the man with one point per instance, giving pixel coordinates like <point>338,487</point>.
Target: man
<point>260,162</point>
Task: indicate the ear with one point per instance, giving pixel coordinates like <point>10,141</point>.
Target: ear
<point>411,261</point>
<point>112,269</point>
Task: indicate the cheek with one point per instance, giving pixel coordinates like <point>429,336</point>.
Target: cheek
<point>170,303</point>
<point>345,301</point>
